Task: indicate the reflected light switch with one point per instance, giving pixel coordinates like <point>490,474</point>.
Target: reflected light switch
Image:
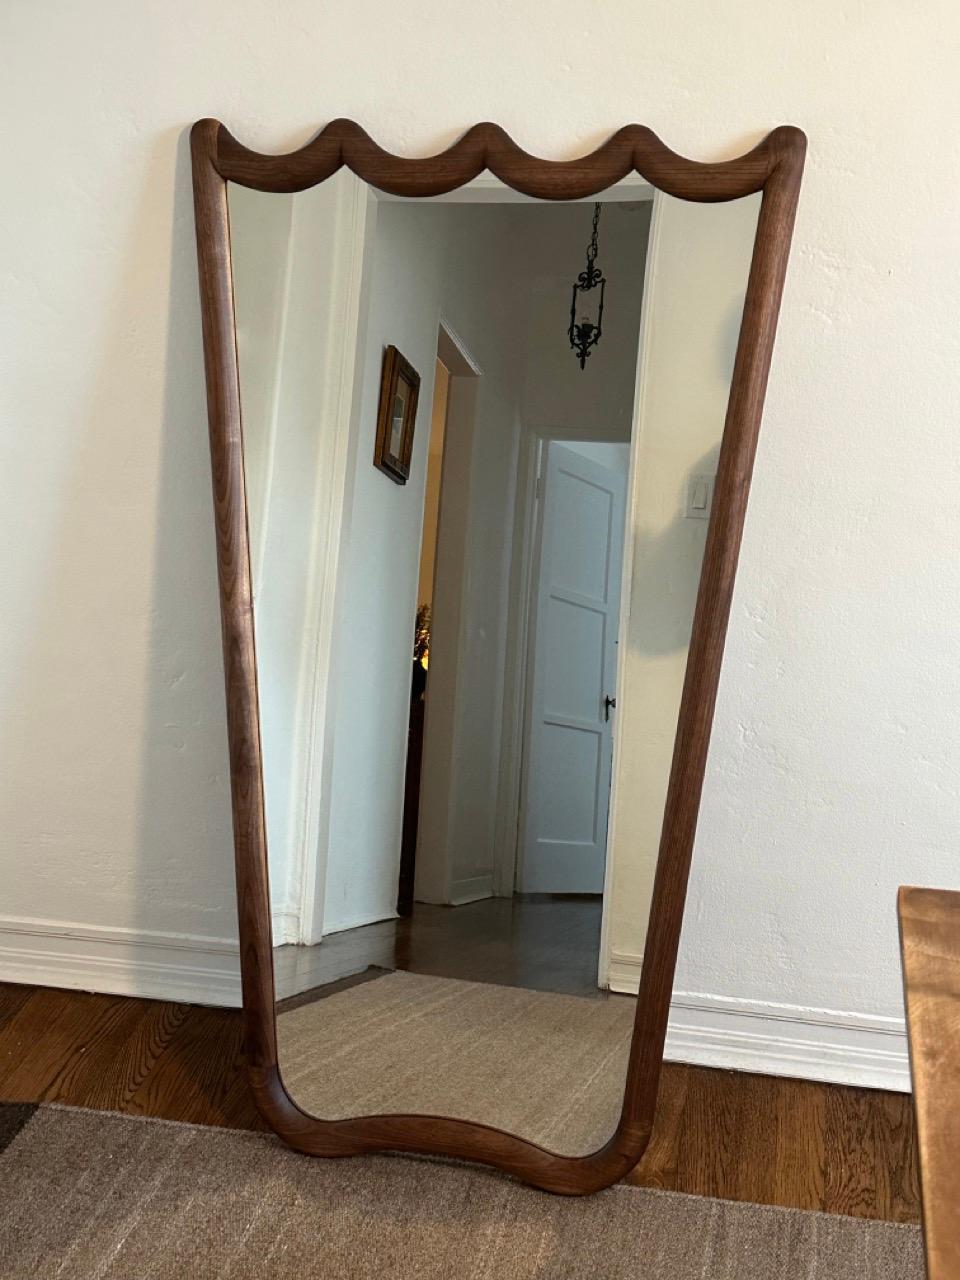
<point>699,497</point>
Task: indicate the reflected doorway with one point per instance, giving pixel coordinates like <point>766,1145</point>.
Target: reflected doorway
<point>563,627</point>
<point>495,825</point>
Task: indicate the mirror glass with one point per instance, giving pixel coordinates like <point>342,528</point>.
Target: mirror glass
<point>478,502</point>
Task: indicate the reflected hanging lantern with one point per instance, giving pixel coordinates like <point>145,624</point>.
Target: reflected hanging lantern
<point>585,333</point>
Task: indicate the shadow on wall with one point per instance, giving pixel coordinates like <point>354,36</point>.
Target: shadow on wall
<point>668,560</point>
<point>666,574</point>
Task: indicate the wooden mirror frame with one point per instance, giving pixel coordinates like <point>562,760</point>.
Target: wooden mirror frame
<point>774,167</point>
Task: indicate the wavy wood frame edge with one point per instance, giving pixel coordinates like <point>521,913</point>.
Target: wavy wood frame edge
<point>774,167</point>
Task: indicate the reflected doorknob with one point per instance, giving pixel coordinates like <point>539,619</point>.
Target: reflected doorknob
<point>608,702</point>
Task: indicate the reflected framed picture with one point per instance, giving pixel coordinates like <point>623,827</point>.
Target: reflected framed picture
<point>396,416</point>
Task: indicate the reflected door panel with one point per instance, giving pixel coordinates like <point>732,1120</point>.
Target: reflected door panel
<point>573,660</point>
<point>443,696</point>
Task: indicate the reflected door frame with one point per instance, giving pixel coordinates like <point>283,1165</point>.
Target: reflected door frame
<point>310,791</point>
<point>434,874</point>
<point>510,807</point>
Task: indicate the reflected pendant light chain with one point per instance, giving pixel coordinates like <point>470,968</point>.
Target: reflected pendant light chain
<point>592,250</point>
<point>584,334</point>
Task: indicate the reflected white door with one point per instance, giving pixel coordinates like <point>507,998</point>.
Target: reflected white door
<point>568,743</point>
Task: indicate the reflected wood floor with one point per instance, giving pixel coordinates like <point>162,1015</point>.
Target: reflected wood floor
<point>718,1133</point>
<point>541,942</point>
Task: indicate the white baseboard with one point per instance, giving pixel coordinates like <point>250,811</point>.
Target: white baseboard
<point>127,962</point>
<point>778,1039</point>
<point>707,1030</point>
<point>471,890</point>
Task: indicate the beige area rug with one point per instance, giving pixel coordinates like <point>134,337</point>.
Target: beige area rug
<point>548,1067</point>
<point>94,1196</point>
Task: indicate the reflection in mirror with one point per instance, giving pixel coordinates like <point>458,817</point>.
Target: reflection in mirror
<point>475,555</point>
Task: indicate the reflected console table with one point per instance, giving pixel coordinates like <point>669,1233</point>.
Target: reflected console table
<point>930,944</point>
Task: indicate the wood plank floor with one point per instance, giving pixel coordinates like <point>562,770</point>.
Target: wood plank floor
<point>719,1133</point>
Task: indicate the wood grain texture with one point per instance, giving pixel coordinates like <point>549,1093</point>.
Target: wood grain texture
<point>930,944</point>
<point>139,1057</point>
<point>793,1143</point>
<point>774,168</point>
<point>634,148</point>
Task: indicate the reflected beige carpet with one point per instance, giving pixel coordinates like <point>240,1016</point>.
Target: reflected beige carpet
<point>548,1067</point>
<point>93,1196</point>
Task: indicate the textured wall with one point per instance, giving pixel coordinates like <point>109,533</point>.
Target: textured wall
<point>834,769</point>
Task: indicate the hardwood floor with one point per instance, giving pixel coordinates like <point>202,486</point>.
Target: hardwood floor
<point>140,1057</point>
<point>719,1133</point>
<point>787,1142</point>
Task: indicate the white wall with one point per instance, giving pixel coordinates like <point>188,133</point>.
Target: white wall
<point>834,765</point>
<point>260,240</point>
<point>380,560</point>
<point>699,263</point>
<point>296,334</point>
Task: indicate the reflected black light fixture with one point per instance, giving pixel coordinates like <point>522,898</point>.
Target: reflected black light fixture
<point>584,333</point>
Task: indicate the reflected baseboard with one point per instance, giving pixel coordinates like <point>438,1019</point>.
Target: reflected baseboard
<point>315,994</point>
<point>778,1039</point>
<point>127,962</point>
<point>471,889</point>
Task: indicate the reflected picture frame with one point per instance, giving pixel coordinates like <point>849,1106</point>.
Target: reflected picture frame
<point>396,416</point>
<point>774,168</point>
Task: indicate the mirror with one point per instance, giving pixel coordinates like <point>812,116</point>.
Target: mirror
<point>477,530</point>
<point>466,757</point>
